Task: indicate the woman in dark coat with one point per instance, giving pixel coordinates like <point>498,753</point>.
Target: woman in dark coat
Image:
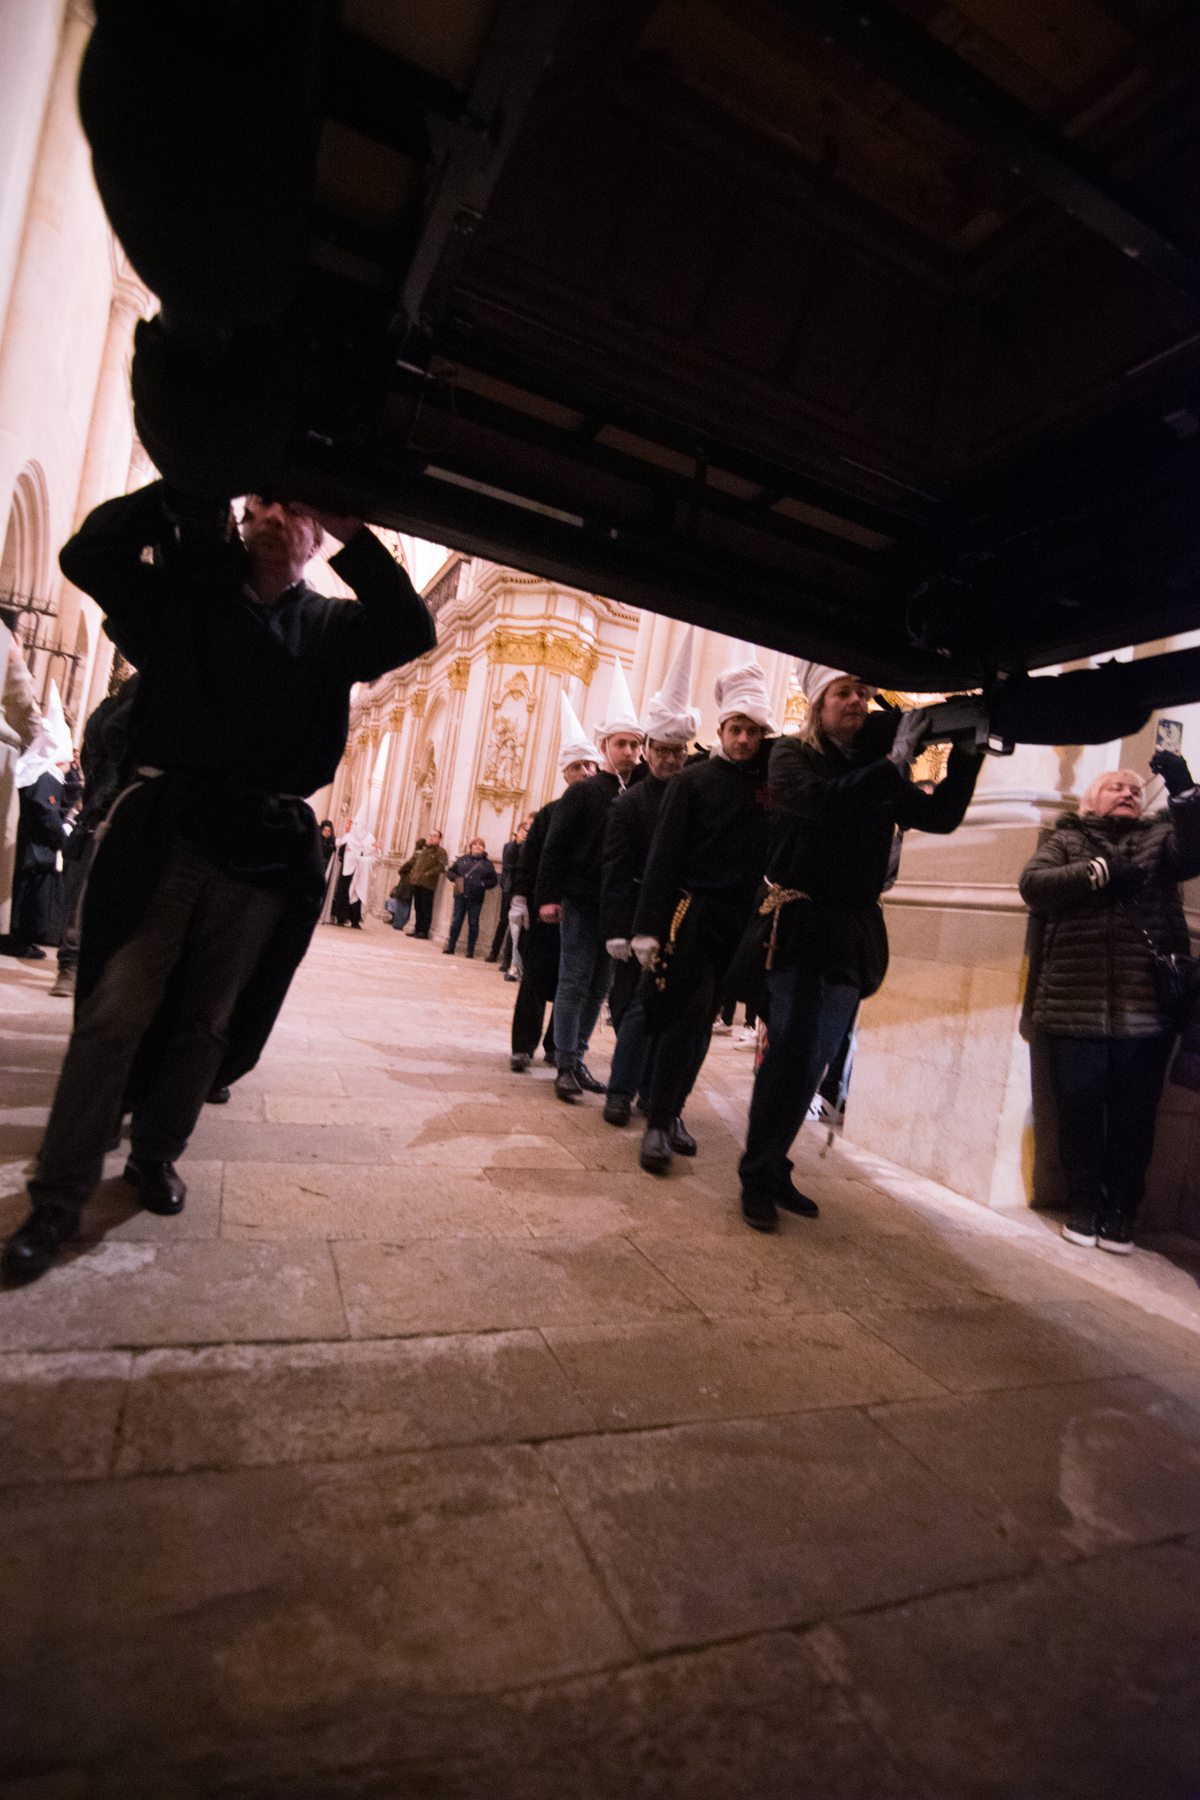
<point>328,840</point>
<point>472,875</point>
<point>37,905</point>
<point>1106,883</point>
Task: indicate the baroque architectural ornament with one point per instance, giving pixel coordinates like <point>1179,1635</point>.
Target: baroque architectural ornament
<point>419,701</point>
<point>459,673</point>
<point>568,655</point>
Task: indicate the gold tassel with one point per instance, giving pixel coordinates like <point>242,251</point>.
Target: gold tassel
<point>660,976</point>
<point>777,898</point>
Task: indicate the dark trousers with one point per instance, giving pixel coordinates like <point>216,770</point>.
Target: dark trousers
<point>470,911</point>
<point>529,1015</point>
<point>584,971</point>
<point>807,1018</point>
<point>422,910</point>
<point>75,877</point>
<point>678,1052</point>
<point>1106,1094</point>
<point>501,930</point>
<point>206,930</point>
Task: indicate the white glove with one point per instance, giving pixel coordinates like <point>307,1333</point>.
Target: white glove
<point>518,913</point>
<point>911,733</point>
<point>619,949</point>
<point>645,949</point>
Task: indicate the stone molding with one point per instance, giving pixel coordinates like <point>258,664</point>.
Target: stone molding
<point>957,896</point>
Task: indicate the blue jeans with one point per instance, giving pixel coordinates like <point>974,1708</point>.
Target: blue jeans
<point>807,1018</point>
<point>400,912</point>
<point>470,911</point>
<point>583,975</point>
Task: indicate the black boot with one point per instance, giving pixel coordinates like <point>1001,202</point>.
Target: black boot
<point>655,1153</point>
<point>33,1246</point>
<point>793,1201</point>
<point>682,1141</point>
<point>758,1210</point>
<point>160,1187</point>
<point>566,1083</point>
<point>617,1109</point>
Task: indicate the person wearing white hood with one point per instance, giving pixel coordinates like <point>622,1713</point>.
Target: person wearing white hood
<point>704,867</point>
<point>671,723</point>
<point>837,794</point>
<point>358,851</point>
<point>41,837</point>
<point>568,890</point>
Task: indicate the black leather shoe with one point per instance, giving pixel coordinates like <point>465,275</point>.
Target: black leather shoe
<point>793,1201</point>
<point>617,1109</point>
<point>160,1187</point>
<point>655,1153</point>
<point>682,1141</point>
<point>33,1246</point>
<point>519,1061</point>
<point>566,1083</point>
<point>587,1080</point>
<point>758,1210</point>
<point>218,1096</point>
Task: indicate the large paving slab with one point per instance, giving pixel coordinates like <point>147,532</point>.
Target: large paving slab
<point>437,1453</point>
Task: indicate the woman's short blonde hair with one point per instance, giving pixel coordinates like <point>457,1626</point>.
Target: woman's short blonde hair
<point>1088,803</point>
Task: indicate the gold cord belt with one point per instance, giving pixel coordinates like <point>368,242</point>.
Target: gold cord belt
<point>663,957</point>
<point>777,898</point>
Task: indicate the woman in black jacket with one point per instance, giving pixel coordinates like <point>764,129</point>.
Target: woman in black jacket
<point>837,794</point>
<point>1106,883</point>
<point>472,875</point>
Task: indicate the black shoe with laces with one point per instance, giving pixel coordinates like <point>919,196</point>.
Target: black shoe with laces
<point>33,1246</point>
<point>1115,1232</point>
<point>655,1153</point>
<point>1079,1227</point>
<point>519,1061</point>
<point>161,1189</point>
<point>617,1109</point>
<point>681,1140</point>
<point>587,1080</point>
<point>566,1083</point>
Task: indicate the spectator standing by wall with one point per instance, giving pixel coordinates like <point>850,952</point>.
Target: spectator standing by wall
<point>428,867</point>
<point>1106,883</point>
<point>473,874</point>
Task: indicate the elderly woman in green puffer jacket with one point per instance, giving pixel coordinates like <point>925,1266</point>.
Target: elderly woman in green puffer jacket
<point>1107,884</point>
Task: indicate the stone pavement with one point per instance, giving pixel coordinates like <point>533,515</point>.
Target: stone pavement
<point>436,1452</point>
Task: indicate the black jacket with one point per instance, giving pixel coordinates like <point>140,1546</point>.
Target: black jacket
<point>572,862</point>
<point>477,874</point>
<point>1096,975</point>
<point>238,700</point>
<point>508,865</point>
<point>529,858</point>
<point>833,825</point>
<point>628,833</point>
<point>245,707</point>
<point>711,839</point>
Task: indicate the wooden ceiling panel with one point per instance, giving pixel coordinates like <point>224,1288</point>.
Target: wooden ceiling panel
<point>673,240</point>
<point>762,287</point>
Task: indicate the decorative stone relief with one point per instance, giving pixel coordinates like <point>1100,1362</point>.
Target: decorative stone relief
<point>459,673</point>
<point>545,649</point>
<point>396,718</point>
<point>419,702</point>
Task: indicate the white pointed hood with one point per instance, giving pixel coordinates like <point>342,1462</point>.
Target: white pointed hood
<point>51,746</point>
<point>670,717</point>
<point>574,744</point>
<point>742,688</point>
<point>620,715</point>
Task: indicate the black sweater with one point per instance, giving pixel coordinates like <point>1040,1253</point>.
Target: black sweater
<point>711,839</point>
<point>833,825</point>
<point>632,818</point>
<point>530,857</point>
<point>572,864</point>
